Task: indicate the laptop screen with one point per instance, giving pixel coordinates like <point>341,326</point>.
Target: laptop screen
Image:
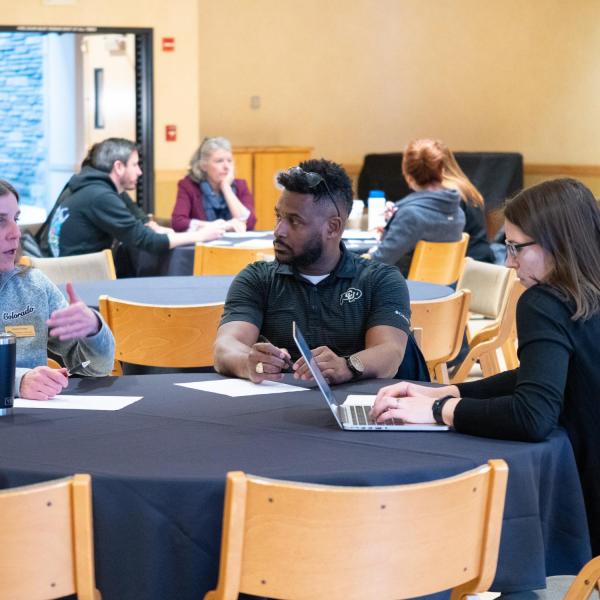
<point>316,372</point>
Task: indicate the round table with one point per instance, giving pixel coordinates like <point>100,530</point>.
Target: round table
<point>158,469</point>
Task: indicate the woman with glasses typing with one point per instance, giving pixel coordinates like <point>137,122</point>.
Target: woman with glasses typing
<point>432,212</point>
<point>210,193</point>
<point>553,242</point>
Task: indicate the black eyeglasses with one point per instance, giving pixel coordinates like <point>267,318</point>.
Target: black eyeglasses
<point>312,181</point>
<point>514,249</point>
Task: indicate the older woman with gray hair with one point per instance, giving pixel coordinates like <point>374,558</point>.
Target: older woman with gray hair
<point>209,191</point>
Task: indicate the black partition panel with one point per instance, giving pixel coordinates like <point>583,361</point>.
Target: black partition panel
<point>497,175</point>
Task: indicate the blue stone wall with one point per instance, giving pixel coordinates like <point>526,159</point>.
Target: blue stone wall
<point>22,127</point>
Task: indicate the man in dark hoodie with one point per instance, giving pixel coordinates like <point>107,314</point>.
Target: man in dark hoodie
<point>94,210</point>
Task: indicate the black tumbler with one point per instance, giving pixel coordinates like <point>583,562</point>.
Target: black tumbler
<point>8,360</point>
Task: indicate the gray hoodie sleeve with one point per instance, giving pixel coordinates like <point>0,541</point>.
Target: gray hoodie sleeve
<point>401,237</point>
<point>99,349</point>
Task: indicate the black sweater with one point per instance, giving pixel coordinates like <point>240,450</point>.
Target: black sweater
<point>95,215</point>
<point>479,247</point>
<point>557,382</point>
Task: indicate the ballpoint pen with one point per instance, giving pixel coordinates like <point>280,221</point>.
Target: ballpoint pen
<point>264,340</point>
<point>83,365</point>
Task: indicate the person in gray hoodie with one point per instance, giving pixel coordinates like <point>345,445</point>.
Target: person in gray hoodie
<point>431,213</point>
<point>33,308</point>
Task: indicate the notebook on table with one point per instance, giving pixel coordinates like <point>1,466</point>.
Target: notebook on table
<point>354,417</point>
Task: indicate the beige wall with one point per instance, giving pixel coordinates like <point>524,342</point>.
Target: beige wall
<point>176,73</point>
<point>356,76</point>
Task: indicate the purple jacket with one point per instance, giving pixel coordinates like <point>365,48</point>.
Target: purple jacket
<point>190,204</point>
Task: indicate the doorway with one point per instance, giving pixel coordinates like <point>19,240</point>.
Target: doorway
<point>63,89</point>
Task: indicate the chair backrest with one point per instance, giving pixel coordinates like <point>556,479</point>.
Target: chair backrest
<point>290,540</point>
<point>443,323</point>
<point>227,260</point>
<point>47,540</point>
<point>499,334</point>
<point>438,262</point>
<point>82,267</point>
<point>489,285</point>
<point>162,336</point>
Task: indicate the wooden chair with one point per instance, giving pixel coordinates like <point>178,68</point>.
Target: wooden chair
<point>82,267</point>
<point>586,581</point>
<point>484,345</point>
<point>438,262</point>
<point>443,323</point>
<point>284,539</point>
<point>47,540</point>
<point>490,287</point>
<point>227,260</point>
<point>162,336</point>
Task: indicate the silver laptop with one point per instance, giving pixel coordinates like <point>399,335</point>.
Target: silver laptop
<point>353,417</point>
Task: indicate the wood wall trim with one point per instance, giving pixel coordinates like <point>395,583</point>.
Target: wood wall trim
<point>572,170</point>
<point>353,170</point>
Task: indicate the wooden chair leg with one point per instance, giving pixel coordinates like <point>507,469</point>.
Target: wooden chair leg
<point>509,349</point>
<point>489,364</point>
<point>441,373</point>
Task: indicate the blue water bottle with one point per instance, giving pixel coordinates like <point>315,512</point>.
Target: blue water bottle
<point>8,360</point>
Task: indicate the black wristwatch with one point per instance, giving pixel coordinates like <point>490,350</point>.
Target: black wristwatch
<point>437,408</point>
<point>355,366</point>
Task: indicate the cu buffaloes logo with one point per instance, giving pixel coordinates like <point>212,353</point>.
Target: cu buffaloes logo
<point>350,295</point>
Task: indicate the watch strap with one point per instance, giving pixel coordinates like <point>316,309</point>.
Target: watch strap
<point>437,408</point>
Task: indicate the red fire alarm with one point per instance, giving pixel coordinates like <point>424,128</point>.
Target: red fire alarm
<point>168,44</point>
<point>171,133</point>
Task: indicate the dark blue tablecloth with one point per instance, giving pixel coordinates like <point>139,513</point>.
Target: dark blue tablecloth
<point>198,290</point>
<point>159,466</point>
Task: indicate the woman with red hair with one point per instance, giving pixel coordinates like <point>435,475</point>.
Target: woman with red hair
<point>432,212</point>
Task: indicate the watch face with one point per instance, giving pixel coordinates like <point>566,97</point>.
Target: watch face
<point>356,363</point>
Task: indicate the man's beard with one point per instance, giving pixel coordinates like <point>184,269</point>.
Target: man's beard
<point>310,254</point>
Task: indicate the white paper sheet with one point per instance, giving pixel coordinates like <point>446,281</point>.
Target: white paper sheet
<point>73,402</point>
<point>241,387</point>
<point>263,244</point>
<point>247,234</point>
<point>360,400</point>
<point>219,243</point>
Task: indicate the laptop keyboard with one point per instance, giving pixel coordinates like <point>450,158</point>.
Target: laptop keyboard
<point>359,415</point>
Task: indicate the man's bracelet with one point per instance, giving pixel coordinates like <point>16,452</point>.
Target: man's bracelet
<point>437,408</point>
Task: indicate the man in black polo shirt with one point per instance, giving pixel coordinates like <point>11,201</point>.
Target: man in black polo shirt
<point>353,312</point>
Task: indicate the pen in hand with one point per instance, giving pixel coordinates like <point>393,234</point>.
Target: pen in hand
<point>83,365</point>
<point>264,340</point>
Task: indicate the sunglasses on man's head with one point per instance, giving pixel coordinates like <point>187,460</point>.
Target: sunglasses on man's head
<point>514,249</point>
<point>312,181</point>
